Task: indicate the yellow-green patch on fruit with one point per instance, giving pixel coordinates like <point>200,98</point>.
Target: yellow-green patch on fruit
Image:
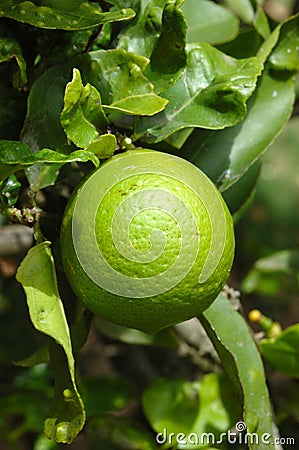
<point>147,240</point>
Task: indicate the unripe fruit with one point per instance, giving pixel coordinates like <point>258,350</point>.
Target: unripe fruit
<point>147,240</point>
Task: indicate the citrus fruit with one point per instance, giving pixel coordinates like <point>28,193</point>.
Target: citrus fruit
<point>147,240</point>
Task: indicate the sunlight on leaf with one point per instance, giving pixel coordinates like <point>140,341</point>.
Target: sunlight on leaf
<point>209,22</point>
<point>37,276</point>
<point>63,15</point>
<point>212,93</point>
<point>104,146</point>
<point>237,349</point>
<point>82,115</point>
<point>15,155</point>
<point>227,154</point>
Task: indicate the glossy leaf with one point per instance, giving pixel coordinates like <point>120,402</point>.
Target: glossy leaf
<point>9,49</point>
<point>104,146</point>
<point>143,105</point>
<point>42,127</point>
<point>282,352</point>
<point>209,22</point>
<point>61,14</point>
<point>37,276</point>
<point>41,175</point>
<point>240,358</point>
<point>15,155</point>
<point>124,77</point>
<point>142,36</point>
<point>239,193</point>
<point>284,57</point>
<point>226,155</point>
<point>9,190</point>
<point>168,57</point>
<point>82,115</point>
<point>44,174</point>
<point>124,84</point>
<point>213,90</point>
<point>117,75</point>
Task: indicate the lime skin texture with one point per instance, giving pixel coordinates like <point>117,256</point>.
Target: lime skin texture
<point>147,240</point>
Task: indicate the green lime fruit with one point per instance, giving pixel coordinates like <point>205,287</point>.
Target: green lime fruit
<point>147,240</point>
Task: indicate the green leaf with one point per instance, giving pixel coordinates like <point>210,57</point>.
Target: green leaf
<point>42,127</point>
<point>226,155</point>
<point>30,407</point>
<point>239,193</point>
<point>9,191</point>
<point>209,22</point>
<point>143,105</point>
<point>282,352</point>
<point>263,277</point>
<point>240,358</point>
<point>169,56</point>
<point>82,115</point>
<point>177,408</point>
<point>285,261</point>
<point>43,443</point>
<point>9,49</point>
<point>242,8</point>
<point>117,74</point>
<point>37,276</point>
<point>212,89</point>
<point>104,146</point>
<point>46,171</point>
<point>261,23</point>
<point>281,47</point>
<point>171,404</point>
<point>134,4</point>
<point>165,338</point>
<point>15,155</point>
<point>142,36</point>
<point>219,408</point>
<point>41,175</point>
<point>284,57</point>
<point>61,14</point>
<point>39,357</point>
<point>246,44</point>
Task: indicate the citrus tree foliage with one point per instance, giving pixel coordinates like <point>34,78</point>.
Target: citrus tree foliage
<point>212,82</point>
